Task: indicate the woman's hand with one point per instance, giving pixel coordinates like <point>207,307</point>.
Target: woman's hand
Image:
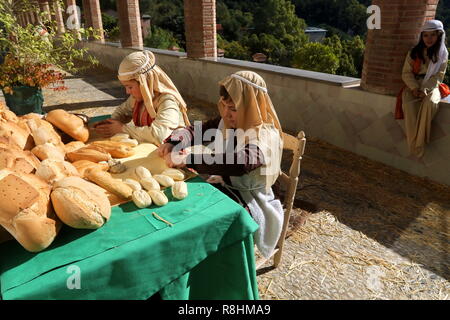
<point>109,127</point>
<point>165,149</point>
<point>176,159</point>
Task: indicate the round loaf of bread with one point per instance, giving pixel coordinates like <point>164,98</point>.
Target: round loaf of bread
<point>69,123</point>
<point>80,204</point>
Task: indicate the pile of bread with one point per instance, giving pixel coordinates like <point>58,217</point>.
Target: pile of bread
<point>45,182</point>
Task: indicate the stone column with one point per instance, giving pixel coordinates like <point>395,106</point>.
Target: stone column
<point>93,17</point>
<point>45,8</point>
<point>58,18</point>
<point>386,48</point>
<point>130,23</point>
<point>200,28</point>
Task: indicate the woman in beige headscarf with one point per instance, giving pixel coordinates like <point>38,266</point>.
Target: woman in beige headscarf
<point>155,107</point>
<point>244,159</point>
<point>423,74</point>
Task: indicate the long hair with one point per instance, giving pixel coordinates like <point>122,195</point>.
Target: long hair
<point>417,51</point>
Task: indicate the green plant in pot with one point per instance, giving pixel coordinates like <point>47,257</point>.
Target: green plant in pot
<point>34,57</point>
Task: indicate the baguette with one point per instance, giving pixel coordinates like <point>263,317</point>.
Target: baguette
<point>115,148</point>
<point>73,146</point>
<point>69,123</point>
<point>91,154</point>
<point>83,165</point>
<point>106,181</point>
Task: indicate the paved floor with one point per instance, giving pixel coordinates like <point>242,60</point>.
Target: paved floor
<point>372,232</point>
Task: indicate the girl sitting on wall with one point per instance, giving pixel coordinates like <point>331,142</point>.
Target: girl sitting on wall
<point>423,73</point>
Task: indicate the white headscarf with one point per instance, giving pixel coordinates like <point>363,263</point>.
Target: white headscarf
<point>442,55</point>
<point>141,66</point>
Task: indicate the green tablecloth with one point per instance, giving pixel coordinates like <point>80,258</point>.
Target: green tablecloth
<point>207,254</point>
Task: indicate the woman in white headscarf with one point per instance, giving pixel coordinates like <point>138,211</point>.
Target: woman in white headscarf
<point>423,74</point>
<point>244,159</point>
<point>154,108</point>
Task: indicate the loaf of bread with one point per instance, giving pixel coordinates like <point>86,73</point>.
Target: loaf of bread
<point>48,151</point>
<point>83,165</point>
<point>17,160</point>
<point>8,115</point>
<point>52,170</point>
<point>43,132</point>
<point>115,148</point>
<point>91,154</point>
<point>17,135</point>
<point>69,123</point>
<point>25,210</point>
<point>106,181</point>
<point>80,204</point>
<point>73,146</point>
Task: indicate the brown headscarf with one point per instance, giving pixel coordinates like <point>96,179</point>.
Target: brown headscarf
<point>141,66</point>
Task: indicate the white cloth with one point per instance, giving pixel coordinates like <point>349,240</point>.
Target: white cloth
<point>433,68</point>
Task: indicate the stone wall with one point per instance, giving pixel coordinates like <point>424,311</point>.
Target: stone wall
<point>331,108</point>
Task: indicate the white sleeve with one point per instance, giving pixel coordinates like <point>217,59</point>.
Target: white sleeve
<point>167,119</point>
<point>124,112</point>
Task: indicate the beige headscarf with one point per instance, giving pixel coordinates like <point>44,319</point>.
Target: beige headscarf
<point>255,111</point>
<point>141,66</point>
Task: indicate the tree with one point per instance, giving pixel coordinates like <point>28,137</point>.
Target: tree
<point>316,56</point>
<point>160,39</point>
<point>168,15</point>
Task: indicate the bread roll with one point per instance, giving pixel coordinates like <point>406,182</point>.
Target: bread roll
<point>17,160</point>
<point>80,204</point>
<point>163,180</point>
<point>48,151</point>
<point>115,148</point>
<point>73,146</point>
<point>90,154</point>
<point>175,174</point>
<point>83,165</point>
<point>71,124</point>
<point>106,181</point>
<point>158,197</point>
<point>52,170</point>
<point>25,210</point>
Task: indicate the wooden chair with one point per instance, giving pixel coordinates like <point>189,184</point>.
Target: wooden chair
<point>290,181</point>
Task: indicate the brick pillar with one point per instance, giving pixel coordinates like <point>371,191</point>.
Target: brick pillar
<point>93,17</point>
<point>58,17</point>
<point>130,23</point>
<point>72,18</point>
<point>200,28</point>
<point>386,48</point>
<point>45,9</point>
